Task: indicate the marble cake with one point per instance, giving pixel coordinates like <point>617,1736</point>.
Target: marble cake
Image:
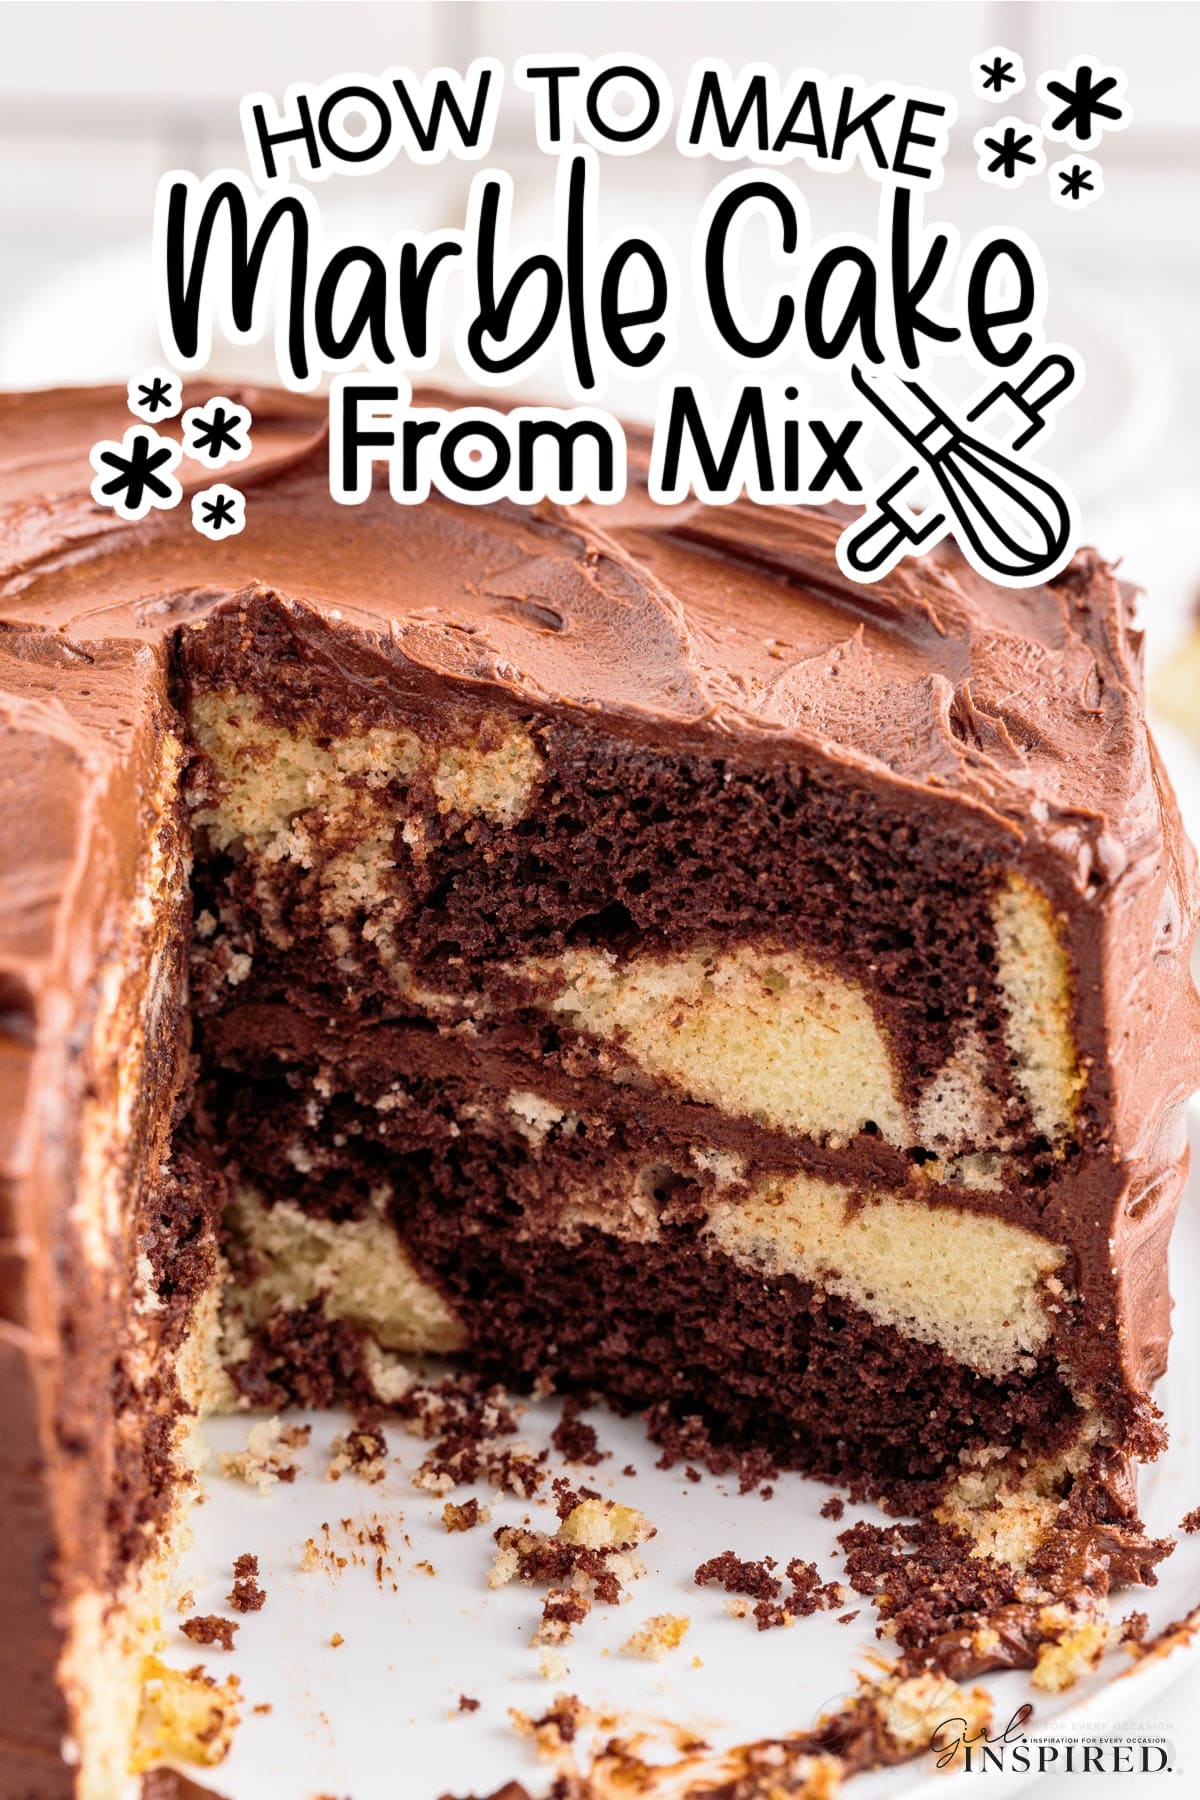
<point>601,943</point>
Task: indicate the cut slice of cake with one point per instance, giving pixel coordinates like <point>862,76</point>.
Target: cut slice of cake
<point>627,955</point>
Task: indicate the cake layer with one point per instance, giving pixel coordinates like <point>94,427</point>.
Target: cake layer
<point>351,1106</point>
<point>359,1269</point>
<point>770,1361</point>
<point>331,1162</point>
<point>767,1032</point>
<point>769,937</point>
<point>905,1266</point>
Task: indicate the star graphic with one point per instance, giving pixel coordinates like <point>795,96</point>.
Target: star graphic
<point>219,511</point>
<point>1076,182</point>
<point>218,432</point>
<point>1009,153</point>
<point>156,393</point>
<point>997,72</point>
<point>135,473</point>
<point>1083,101</point>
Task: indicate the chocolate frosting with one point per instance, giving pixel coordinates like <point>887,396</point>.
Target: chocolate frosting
<point>1018,711</point>
<point>731,620</point>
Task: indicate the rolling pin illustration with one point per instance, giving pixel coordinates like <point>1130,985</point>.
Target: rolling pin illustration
<point>1013,520</point>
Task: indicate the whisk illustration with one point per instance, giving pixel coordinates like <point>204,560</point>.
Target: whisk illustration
<point>1010,521</point>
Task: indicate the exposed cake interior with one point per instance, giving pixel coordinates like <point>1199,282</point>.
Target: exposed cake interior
<point>730,1084</point>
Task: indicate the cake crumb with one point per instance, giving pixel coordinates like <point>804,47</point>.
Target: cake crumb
<point>1060,1664</point>
<point>472,1425</point>
<point>605,1525</point>
<point>186,1602</point>
<point>269,1454</point>
<point>362,1452</point>
<point>660,1635</point>
<point>210,1628</point>
<point>567,1498</point>
<point>246,1595</point>
<point>1190,1521</point>
<point>574,1439</point>
<point>263,1706</point>
<point>185,1716</point>
<point>467,1704</point>
<point>688,1440</point>
<point>758,1582</point>
<point>1134,1628</point>
<point>557,1728</point>
<point>965,1613</point>
<point>336,1641</point>
<point>562,1610</point>
<point>592,1557</point>
<point>552,1665</point>
<point>466,1516</point>
<point>833,1508</point>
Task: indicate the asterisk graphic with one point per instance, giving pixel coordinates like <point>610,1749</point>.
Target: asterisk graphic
<point>219,511</point>
<point>218,434</point>
<point>134,474</point>
<point>1076,182</point>
<point>1011,152</point>
<point>997,73</point>
<point>1092,101</point>
<point>154,393</point>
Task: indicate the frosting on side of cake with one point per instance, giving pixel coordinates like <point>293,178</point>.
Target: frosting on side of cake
<point>99,1383</point>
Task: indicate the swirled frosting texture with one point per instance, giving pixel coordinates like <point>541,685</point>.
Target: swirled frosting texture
<point>731,620</point>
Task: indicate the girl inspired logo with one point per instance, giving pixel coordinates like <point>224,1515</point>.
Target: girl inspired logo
<point>1121,1751</point>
